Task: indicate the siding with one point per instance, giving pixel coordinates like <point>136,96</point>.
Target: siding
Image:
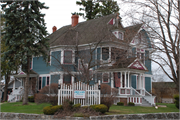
<point>98,55</point>
<point>148,84</point>
<point>147,62</point>
<point>55,61</point>
<point>55,78</point>
<point>40,66</point>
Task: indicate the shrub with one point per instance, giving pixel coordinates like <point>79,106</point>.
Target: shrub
<point>106,97</point>
<point>31,98</point>
<point>42,96</point>
<point>131,104</point>
<point>67,105</point>
<point>51,110</point>
<point>120,104</point>
<point>99,108</point>
<point>176,97</point>
<point>76,106</point>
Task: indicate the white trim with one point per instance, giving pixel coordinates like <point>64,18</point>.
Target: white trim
<point>148,75</point>
<point>31,63</point>
<point>50,57</point>
<point>73,56</point>
<point>44,75</point>
<point>62,56</point>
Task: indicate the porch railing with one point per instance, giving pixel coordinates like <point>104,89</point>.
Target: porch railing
<point>16,95</point>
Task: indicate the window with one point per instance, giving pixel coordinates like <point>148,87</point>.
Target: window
<point>105,53</point>
<point>117,54</point>
<point>67,57</point>
<point>140,54</point>
<point>48,80</point>
<point>105,77</point>
<point>39,83</point>
<point>81,65</point>
<point>120,35</point>
<point>67,79</point>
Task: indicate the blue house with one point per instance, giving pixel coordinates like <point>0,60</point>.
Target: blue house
<point>100,49</point>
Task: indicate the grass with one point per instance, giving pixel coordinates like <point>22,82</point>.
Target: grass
<point>17,107</point>
<point>140,109</point>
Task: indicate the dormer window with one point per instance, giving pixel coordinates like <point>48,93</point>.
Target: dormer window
<point>119,35</point>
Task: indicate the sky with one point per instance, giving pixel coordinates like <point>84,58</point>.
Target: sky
<point>59,13</point>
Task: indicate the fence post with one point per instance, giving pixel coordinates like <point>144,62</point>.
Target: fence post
<point>59,88</point>
<point>99,87</point>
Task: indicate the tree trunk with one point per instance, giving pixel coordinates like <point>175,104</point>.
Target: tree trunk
<point>26,88</point>
<point>7,79</point>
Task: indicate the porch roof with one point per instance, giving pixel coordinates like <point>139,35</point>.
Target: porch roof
<point>23,74</point>
<point>125,65</point>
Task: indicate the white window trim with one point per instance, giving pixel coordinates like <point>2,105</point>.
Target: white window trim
<point>73,56</point>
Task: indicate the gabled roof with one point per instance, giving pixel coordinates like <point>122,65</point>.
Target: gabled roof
<point>91,31</point>
<point>23,74</point>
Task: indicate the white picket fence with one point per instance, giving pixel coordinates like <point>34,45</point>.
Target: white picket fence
<point>79,93</point>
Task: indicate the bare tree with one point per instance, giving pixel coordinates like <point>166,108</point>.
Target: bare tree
<point>162,19</point>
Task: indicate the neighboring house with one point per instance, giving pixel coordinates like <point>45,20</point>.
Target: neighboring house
<point>116,55</point>
<point>16,86</point>
<point>164,91</point>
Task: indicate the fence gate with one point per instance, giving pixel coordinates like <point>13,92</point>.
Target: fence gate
<point>79,93</point>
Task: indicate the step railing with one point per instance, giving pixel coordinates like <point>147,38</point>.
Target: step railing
<point>149,98</point>
<point>134,92</point>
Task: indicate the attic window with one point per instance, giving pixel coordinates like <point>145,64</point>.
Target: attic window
<point>120,35</point>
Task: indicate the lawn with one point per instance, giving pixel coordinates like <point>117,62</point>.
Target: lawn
<point>37,109</point>
<point>17,107</point>
<point>140,109</point>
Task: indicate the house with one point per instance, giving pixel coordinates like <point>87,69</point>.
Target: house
<point>16,86</point>
<point>100,49</point>
<point>164,91</point>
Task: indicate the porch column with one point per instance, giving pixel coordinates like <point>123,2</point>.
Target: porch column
<point>14,84</point>
<point>128,79</point>
<point>121,79</point>
<point>109,53</point>
<point>125,79</point>
<point>72,82</point>
<point>139,81</point>
<point>112,80</point>
<point>143,80</point>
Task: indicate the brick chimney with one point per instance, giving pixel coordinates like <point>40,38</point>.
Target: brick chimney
<point>54,28</point>
<point>74,20</point>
